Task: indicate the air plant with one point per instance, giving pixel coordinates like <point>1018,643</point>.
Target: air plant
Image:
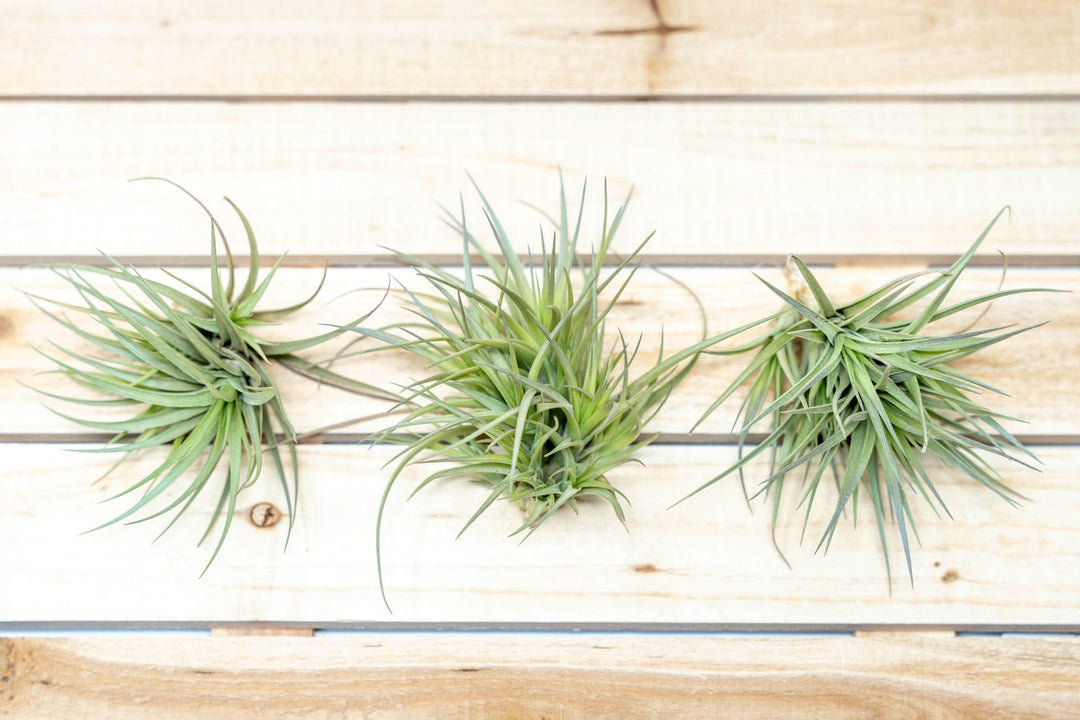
<point>862,391</point>
<point>528,396</point>
<point>189,364</point>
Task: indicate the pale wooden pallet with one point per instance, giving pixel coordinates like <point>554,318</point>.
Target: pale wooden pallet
<point>871,139</point>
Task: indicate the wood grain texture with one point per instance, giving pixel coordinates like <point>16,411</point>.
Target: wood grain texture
<point>376,675</point>
<point>718,172</point>
<point>595,48</point>
<point>707,561</point>
<point>719,179</point>
<point>1037,370</point>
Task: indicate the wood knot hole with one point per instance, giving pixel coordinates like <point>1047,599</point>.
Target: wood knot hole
<point>950,576</point>
<point>265,515</point>
<point>5,326</point>
<point>645,568</point>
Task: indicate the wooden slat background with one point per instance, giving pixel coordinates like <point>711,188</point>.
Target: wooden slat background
<point>871,139</point>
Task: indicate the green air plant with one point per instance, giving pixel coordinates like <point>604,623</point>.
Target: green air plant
<point>192,370</point>
<point>527,395</point>
<point>861,391</point>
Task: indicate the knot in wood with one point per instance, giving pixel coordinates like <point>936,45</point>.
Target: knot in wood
<point>265,515</point>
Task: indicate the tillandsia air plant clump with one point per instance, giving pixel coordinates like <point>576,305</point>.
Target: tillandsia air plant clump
<point>189,364</point>
<point>528,395</point>
<point>863,391</point>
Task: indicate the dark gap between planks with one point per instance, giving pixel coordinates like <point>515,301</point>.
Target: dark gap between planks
<point>724,629</point>
<point>519,98</point>
<point>347,438</point>
<point>670,260</point>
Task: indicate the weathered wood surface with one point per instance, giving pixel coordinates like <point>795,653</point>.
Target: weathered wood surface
<point>734,180</point>
<point>557,48</point>
<point>1037,370</point>
<point>542,676</point>
<point>708,560</point>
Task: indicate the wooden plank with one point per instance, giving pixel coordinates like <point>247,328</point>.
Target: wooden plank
<point>1037,370</point>
<point>543,676</point>
<point>706,561</point>
<point>741,180</point>
<point>602,47</point>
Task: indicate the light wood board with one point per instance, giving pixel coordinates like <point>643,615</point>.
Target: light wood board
<point>557,48</point>
<point>1037,370</point>
<point>708,560</point>
<point>542,675</point>
<point>736,180</point>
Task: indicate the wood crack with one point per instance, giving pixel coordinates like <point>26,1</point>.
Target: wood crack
<point>660,28</point>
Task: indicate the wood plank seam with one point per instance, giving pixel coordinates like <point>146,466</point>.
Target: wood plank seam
<point>650,260</point>
<point>322,437</point>
<point>715,629</point>
<point>868,98</point>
